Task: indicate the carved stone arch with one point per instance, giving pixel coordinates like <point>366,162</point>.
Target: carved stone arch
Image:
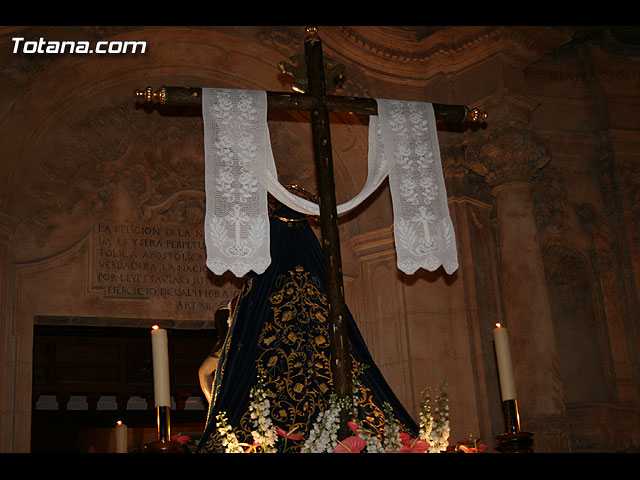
<point>578,326</point>
<point>92,112</point>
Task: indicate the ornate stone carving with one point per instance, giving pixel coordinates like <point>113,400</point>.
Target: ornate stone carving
<point>593,222</point>
<point>628,182</point>
<point>460,180</point>
<point>288,38</point>
<point>510,153</point>
<point>155,169</point>
<point>550,200</point>
<point>418,43</point>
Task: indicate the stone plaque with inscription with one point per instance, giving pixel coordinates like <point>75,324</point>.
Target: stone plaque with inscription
<point>147,261</point>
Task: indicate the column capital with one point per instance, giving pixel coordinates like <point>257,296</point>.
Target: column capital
<point>509,153</point>
<point>462,181</point>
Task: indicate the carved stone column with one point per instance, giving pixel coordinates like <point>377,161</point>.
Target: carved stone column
<point>477,289</point>
<point>508,158</point>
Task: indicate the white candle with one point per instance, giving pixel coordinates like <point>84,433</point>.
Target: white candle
<point>160,352</point>
<point>121,437</point>
<point>505,368</point>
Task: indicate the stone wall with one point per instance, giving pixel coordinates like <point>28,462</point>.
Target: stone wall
<point>102,207</point>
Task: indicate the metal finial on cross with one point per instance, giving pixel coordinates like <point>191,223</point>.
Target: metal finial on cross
<point>297,70</point>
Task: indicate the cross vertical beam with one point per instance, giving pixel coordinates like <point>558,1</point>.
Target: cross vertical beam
<point>338,326</point>
<point>317,101</point>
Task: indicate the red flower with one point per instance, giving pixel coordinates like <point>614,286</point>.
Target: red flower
<point>412,445</point>
<point>353,426</point>
<point>289,435</point>
<point>352,444</point>
<point>479,448</point>
<point>251,448</point>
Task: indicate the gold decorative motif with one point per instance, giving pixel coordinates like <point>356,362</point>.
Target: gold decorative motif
<point>474,115</point>
<point>150,96</point>
<point>288,220</point>
<point>294,356</point>
<point>297,71</point>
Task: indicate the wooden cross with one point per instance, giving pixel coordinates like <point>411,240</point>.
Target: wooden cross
<point>316,100</point>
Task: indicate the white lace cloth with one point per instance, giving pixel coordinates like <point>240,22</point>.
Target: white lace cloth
<point>240,169</point>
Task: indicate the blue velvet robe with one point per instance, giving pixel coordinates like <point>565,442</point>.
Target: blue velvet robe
<point>280,328</point>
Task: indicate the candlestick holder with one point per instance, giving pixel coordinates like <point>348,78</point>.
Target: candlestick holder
<point>521,442</point>
<point>514,441</point>
<point>512,417</point>
<point>164,443</point>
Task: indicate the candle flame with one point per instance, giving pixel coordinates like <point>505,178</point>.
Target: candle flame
<point>119,422</point>
<point>498,325</point>
<point>155,327</point>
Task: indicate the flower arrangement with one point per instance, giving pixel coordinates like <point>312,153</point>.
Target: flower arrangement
<point>264,433</point>
<point>433,436</point>
<point>324,433</point>
<point>229,439</point>
<point>434,421</point>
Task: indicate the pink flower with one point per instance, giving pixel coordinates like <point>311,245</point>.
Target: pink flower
<point>352,444</point>
<point>412,445</point>
<point>289,435</point>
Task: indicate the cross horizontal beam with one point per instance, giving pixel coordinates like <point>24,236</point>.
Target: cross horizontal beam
<point>186,96</point>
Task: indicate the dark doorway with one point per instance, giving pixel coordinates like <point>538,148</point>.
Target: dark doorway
<point>86,378</point>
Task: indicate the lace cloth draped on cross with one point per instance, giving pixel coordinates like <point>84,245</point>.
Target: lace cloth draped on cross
<point>240,169</point>
<point>422,227</point>
<point>236,219</point>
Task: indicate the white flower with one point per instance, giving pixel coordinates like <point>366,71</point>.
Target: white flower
<point>435,429</point>
<point>323,436</point>
<point>391,430</point>
<point>264,433</point>
<point>229,439</point>
<point>373,443</point>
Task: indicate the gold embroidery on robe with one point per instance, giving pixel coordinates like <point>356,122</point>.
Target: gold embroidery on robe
<point>294,357</point>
